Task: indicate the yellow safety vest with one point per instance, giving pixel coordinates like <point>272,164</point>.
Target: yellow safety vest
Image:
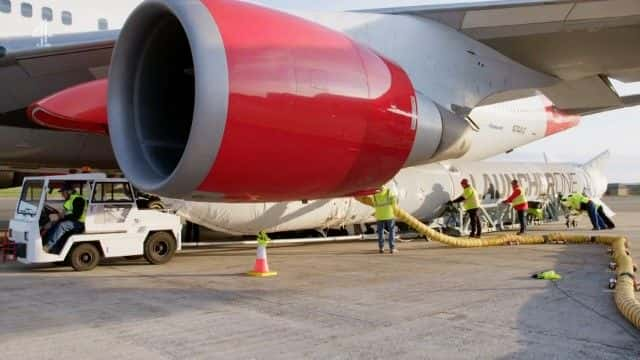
<point>471,200</point>
<point>68,206</point>
<point>383,202</point>
<point>574,200</point>
<point>521,199</point>
<point>583,199</point>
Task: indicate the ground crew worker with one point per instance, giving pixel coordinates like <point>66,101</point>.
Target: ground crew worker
<point>519,202</point>
<point>580,202</point>
<point>75,212</point>
<point>384,201</point>
<point>471,204</point>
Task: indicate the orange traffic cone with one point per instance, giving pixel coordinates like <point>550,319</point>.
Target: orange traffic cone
<point>261,267</point>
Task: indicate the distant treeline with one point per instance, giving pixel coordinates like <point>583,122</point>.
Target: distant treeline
<point>623,189</point>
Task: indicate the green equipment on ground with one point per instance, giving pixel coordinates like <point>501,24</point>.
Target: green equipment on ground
<point>547,275</point>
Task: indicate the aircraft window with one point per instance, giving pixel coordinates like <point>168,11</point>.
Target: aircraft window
<point>66,18</point>
<point>103,24</point>
<point>47,14</point>
<point>5,6</point>
<point>26,10</point>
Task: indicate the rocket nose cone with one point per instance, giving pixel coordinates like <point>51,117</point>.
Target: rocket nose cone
<point>558,121</point>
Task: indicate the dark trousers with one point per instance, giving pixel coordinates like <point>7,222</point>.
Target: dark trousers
<point>390,225</point>
<point>62,229</point>
<point>605,218</point>
<point>596,220</point>
<point>522,219</point>
<point>474,222</point>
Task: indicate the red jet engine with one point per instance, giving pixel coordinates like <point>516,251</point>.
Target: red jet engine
<point>229,101</point>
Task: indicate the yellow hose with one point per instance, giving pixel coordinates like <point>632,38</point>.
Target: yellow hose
<point>626,284</point>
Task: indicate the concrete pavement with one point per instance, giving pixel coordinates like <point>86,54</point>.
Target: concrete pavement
<point>330,301</point>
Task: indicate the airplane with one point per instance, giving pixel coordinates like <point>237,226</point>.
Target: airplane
<point>222,100</point>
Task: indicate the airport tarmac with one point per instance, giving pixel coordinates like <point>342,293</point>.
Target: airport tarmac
<point>330,301</point>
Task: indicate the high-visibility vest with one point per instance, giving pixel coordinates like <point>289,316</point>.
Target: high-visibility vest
<point>573,202</point>
<point>576,199</point>
<point>68,206</point>
<point>383,202</point>
<point>520,199</point>
<point>471,200</point>
<point>583,199</point>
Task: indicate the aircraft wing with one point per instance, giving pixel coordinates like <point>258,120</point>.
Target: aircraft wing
<point>583,43</point>
<point>30,70</point>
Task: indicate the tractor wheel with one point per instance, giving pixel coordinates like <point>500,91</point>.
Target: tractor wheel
<point>159,248</point>
<point>84,257</point>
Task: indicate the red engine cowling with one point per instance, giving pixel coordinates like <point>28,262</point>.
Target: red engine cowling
<point>80,108</point>
<point>225,100</point>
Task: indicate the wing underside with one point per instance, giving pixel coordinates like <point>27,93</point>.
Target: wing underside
<point>583,43</point>
<point>34,71</point>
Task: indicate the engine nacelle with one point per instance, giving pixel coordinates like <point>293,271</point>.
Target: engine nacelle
<point>225,100</point>
<point>440,134</point>
<point>81,108</point>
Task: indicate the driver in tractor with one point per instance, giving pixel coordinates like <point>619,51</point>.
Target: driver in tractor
<point>75,211</point>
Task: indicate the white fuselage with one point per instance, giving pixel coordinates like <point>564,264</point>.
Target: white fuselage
<point>44,18</point>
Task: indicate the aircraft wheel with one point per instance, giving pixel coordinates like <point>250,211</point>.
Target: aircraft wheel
<point>159,248</point>
<point>84,257</point>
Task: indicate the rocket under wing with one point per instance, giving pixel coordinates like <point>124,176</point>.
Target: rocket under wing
<point>421,190</point>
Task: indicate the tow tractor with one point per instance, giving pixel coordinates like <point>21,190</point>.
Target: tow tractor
<point>116,225</point>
